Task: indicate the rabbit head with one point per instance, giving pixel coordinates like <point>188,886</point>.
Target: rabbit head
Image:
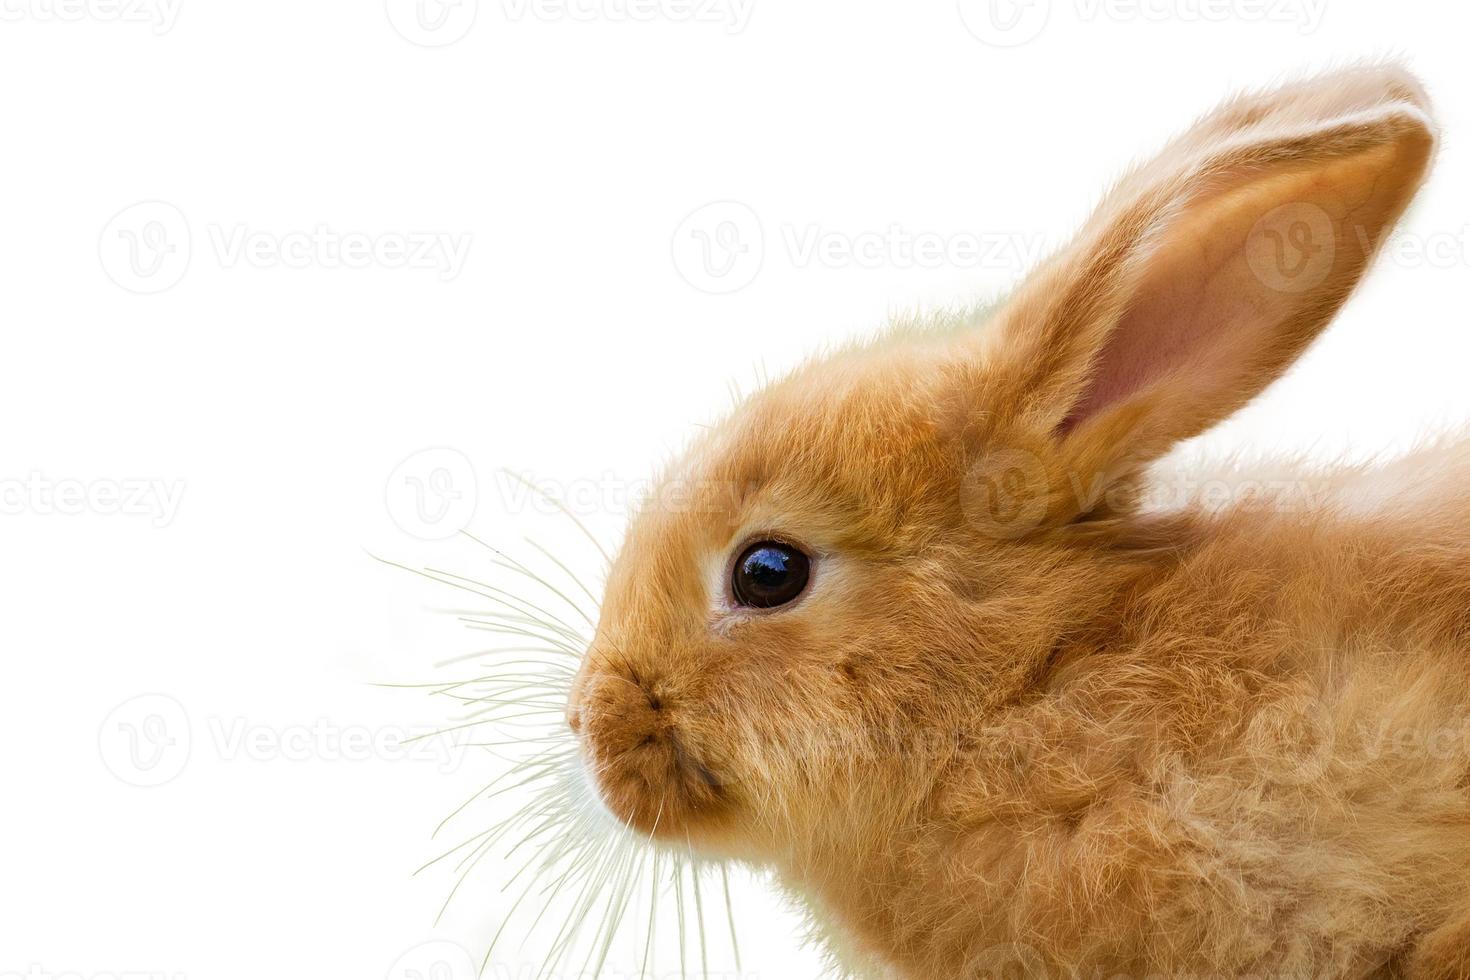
<point>835,589</point>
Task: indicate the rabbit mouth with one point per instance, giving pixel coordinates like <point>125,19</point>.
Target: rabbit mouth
<point>642,760</point>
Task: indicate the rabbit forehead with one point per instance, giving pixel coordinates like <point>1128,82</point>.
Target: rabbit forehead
<point>855,455</point>
<point>853,435</point>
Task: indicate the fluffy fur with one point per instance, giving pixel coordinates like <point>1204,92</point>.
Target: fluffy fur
<point>1028,717</point>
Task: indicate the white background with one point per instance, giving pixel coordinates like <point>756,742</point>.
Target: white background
<point>208,407</point>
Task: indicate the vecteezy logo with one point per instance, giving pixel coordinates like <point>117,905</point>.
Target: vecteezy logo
<point>432,493</point>
<point>1005,23</point>
<point>1292,247</point>
<point>1010,961</point>
<point>720,247</point>
<point>1005,493</point>
<point>434,961</point>
<point>432,23</point>
<point>146,741</point>
<point>1292,741</point>
<point>145,248</point>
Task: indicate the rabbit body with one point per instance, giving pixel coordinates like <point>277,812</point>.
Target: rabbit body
<point>1023,719</point>
<point>1255,763</point>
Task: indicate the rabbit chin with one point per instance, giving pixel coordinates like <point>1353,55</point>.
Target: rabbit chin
<point>645,769</point>
<point>658,789</point>
<point>647,756</point>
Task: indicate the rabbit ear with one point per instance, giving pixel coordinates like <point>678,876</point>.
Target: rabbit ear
<point>1207,272</point>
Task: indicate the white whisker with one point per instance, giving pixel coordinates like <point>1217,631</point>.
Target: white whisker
<point>559,842</point>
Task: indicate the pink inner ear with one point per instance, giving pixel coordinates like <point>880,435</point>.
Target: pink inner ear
<point>1239,281</point>
<point>1190,311</point>
<point>1152,339</point>
<point>1215,296</point>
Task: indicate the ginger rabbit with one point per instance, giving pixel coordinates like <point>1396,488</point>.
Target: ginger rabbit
<point>913,628</point>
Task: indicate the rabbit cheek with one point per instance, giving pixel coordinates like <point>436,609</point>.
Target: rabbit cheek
<point>640,760</point>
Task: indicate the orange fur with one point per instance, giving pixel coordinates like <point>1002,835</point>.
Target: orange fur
<point>1021,720</point>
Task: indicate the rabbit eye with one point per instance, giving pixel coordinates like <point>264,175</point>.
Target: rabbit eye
<point>770,574</point>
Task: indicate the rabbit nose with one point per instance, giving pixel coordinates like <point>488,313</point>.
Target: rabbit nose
<point>575,697</point>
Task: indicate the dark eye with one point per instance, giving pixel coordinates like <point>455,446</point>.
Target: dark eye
<point>770,574</point>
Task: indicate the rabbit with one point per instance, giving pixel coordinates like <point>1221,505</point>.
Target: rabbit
<point>912,629</point>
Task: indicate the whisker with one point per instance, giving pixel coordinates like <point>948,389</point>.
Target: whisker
<point>565,510</point>
<point>694,875</point>
<point>557,841</point>
<point>730,916</point>
<point>576,580</point>
<point>493,651</point>
<point>517,631</point>
<point>505,561</point>
<point>453,849</point>
<point>512,601</point>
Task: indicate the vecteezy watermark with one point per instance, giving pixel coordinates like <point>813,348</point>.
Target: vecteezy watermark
<point>324,248</point>
<point>1300,738</point>
<point>733,15</point>
<point>1005,23</point>
<point>1292,248</point>
<point>611,493</point>
<point>149,740</point>
<point>608,493</point>
<point>440,960</point>
<point>432,494</point>
<point>1009,961</point>
<point>37,972</point>
<point>444,960</point>
<point>40,495</point>
<point>433,23</point>
<point>147,248</point>
<point>1005,493</point>
<point>897,247</point>
<point>1008,492</point>
<point>439,23</point>
<point>161,15</point>
<point>534,971</point>
<point>1010,23</point>
<point>240,739</point>
<point>720,248</point>
<point>146,740</point>
<point>1428,250</point>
